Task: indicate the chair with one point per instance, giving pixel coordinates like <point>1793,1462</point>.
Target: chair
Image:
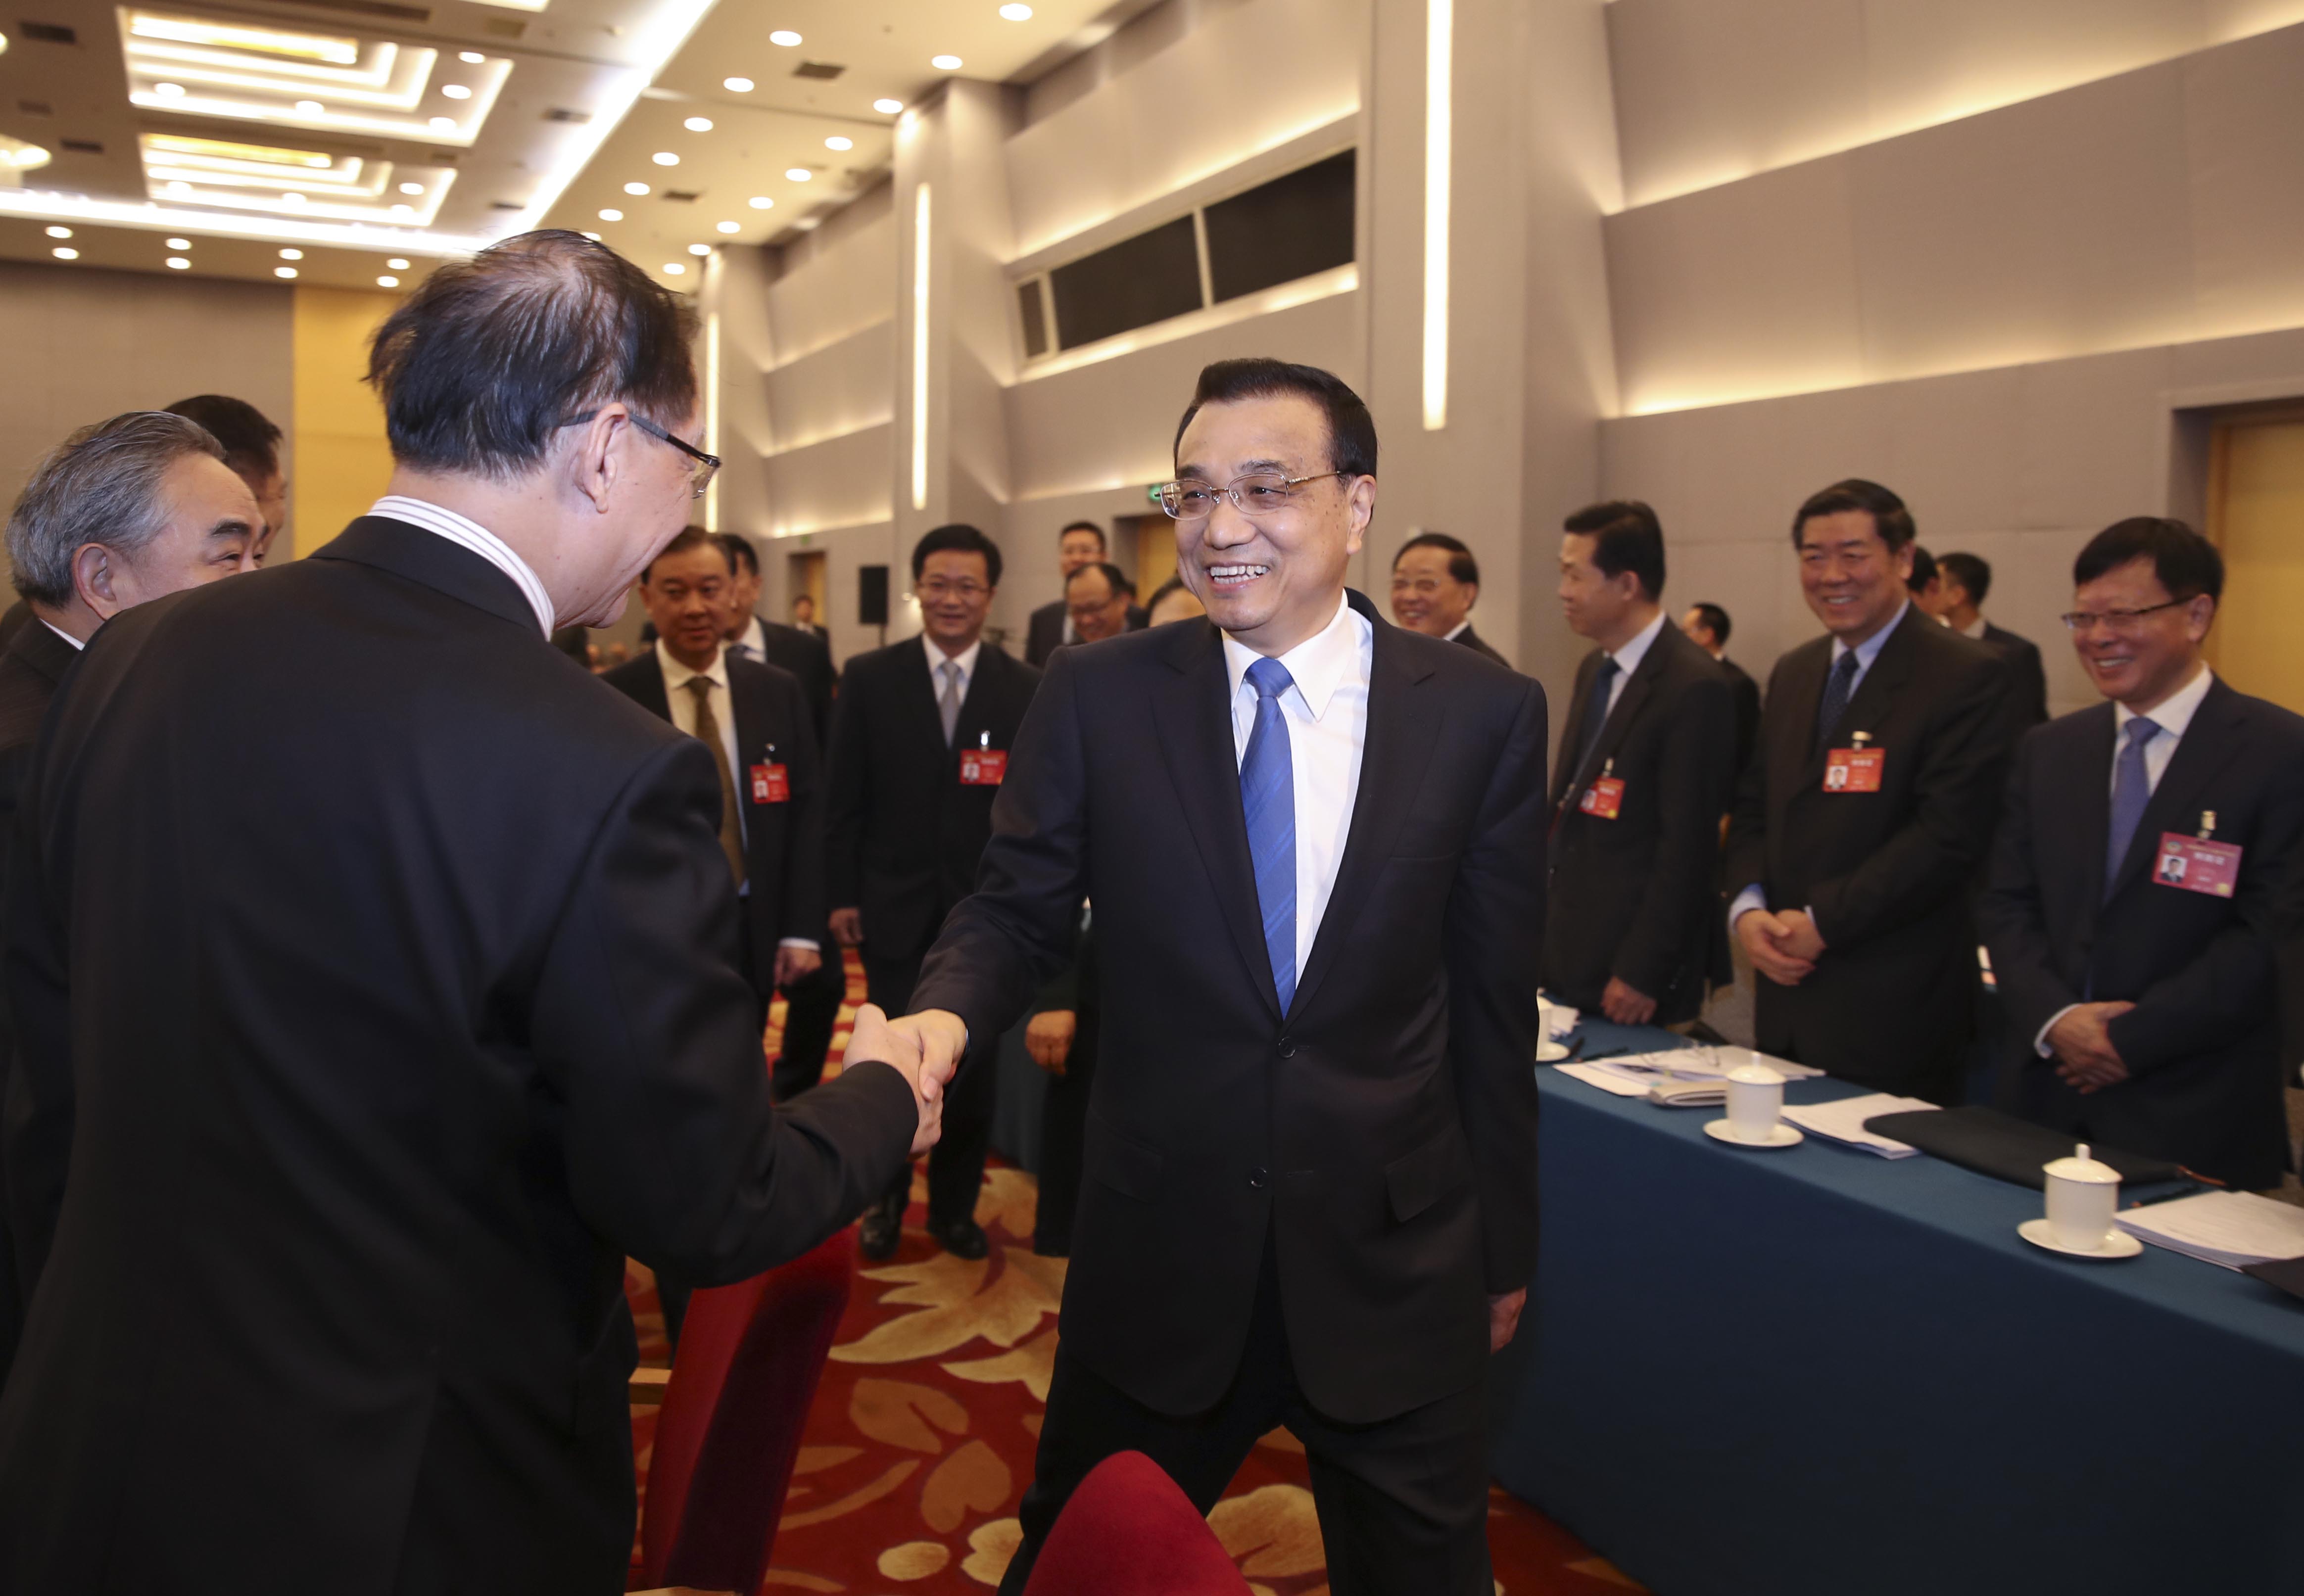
<point>1129,1531</point>
<point>750,1358</point>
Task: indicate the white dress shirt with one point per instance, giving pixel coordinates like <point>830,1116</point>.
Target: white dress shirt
<point>1628,660</point>
<point>1977,630</point>
<point>753,644</point>
<point>60,633</point>
<point>469,534</point>
<point>965,659</point>
<point>1327,729</point>
<point>1458,630</point>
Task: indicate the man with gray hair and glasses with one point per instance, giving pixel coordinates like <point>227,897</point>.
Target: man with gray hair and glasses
<point>119,512</point>
<point>390,1000</point>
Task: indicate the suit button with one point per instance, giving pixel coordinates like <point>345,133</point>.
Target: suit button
<point>1256,1177</point>
<point>1288,1047</point>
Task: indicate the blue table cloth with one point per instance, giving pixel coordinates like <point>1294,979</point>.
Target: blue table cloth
<point>1771,1374</point>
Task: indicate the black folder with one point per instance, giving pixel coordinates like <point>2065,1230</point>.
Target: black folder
<point>2010,1149</point>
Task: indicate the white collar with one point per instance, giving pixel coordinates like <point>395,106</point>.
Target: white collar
<point>754,639</point>
<point>1628,657</point>
<point>677,675</point>
<point>470,535</point>
<point>1869,649</point>
<point>1318,665</point>
<point>60,633</point>
<point>965,659</point>
<point>2175,715</point>
<point>1979,629</point>
<point>1460,627</point>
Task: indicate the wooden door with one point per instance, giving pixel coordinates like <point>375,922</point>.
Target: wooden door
<point>2256,518</point>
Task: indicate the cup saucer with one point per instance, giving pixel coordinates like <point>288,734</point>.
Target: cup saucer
<point>1781,1135</point>
<point>2117,1244</point>
<point>1549,1052</point>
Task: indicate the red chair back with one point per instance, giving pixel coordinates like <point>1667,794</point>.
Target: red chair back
<point>1130,1531</point>
<point>750,1358</point>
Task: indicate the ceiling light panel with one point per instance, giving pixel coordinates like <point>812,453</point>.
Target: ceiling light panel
<point>285,181</point>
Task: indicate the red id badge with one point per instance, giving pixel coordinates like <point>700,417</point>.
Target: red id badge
<point>771,784</point>
<point>982,767</point>
<point>1854,770</point>
<point>2195,864</point>
<point>1605,798</point>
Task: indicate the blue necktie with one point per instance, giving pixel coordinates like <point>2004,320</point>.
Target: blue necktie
<point>1837,692</point>
<point>1595,710</point>
<point>1267,797</point>
<point>2132,789</point>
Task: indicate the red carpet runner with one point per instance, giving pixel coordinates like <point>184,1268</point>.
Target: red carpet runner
<point>920,1441</point>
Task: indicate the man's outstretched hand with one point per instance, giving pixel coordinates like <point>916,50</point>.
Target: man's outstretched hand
<point>941,1037</point>
<point>876,1041</point>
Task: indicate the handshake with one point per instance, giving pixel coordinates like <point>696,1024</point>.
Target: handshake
<point>924,1048</point>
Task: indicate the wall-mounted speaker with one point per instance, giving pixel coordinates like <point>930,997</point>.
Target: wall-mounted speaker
<point>872,596</point>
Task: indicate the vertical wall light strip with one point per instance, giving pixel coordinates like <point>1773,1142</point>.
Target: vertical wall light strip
<point>920,347</point>
<point>712,397</point>
<point>1439,47</point>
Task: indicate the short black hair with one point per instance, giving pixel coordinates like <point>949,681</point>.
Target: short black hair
<point>1112,574</point>
<point>1626,535</point>
<point>485,363</point>
<point>691,537</point>
<point>1351,430</point>
<point>1972,572</point>
<point>2187,564</point>
<point>1890,518</point>
<point>740,552</point>
<point>1073,526</point>
<point>1173,585</point>
<point>1924,570</point>
<point>1713,619</point>
<point>967,540</point>
<point>1462,566</point>
<point>251,442</point>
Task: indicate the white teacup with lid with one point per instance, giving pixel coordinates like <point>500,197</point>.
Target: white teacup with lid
<point>2083,1196</point>
<point>1756,1101</point>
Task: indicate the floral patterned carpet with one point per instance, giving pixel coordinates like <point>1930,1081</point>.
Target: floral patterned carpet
<point>920,1441</point>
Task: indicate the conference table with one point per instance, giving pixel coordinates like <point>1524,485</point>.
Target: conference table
<point>1759,1372</point>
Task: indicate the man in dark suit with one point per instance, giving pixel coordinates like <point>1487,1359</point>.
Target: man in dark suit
<point>1708,626</point>
<point>1966,581</point>
<point>1647,763</point>
<point>1051,626</point>
<point>1866,814</point>
<point>389,1001</point>
<point>920,746</point>
<point>803,617</point>
<point>1100,602</point>
<point>1436,581</point>
<point>1317,886</point>
<point>250,441</point>
<point>2142,994</point>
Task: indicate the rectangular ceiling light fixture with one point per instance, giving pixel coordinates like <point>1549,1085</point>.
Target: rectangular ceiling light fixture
<point>921,259</point>
<point>1439,47</point>
<point>333,49</point>
<point>286,182</point>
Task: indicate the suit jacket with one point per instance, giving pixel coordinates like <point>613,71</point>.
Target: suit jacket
<point>784,843</point>
<point>401,1007</point>
<point>2028,678</point>
<point>1044,633</point>
<point>1887,873</point>
<point>33,660</point>
<point>1382,1131</point>
<point>1746,692</point>
<point>1471,639</point>
<point>905,835</point>
<point>2202,1045</point>
<point>1633,898</point>
<point>808,657</point>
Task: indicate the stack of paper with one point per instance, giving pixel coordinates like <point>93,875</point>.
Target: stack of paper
<point>2229,1229</point>
<point>1598,1074</point>
<point>1843,1121</point>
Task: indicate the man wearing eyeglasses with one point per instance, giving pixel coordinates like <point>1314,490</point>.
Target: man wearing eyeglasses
<point>921,738</point>
<point>1317,860</point>
<point>2134,904</point>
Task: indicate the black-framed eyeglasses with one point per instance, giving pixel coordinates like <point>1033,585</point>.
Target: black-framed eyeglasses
<point>1259,493</point>
<point>2080,621</point>
<point>700,474</point>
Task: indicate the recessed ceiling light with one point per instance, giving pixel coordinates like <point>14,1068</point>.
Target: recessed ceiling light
<point>1017,14</point>
<point>737,85</point>
<point>700,248</point>
<point>887,107</point>
<point>784,36</point>
<point>731,227</point>
<point>177,263</point>
<point>471,57</point>
<point>310,109</point>
<point>60,232</point>
<point>664,157</point>
<point>798,175</point>
<point>944,64</point>
<point>292,198</point>
<point>291,255</point>
<point>283,270</point>
<point>837,142</point>
<point>388,282</point>
<point>62,253</point>
<point>455,92</point>
<point>697,125</point>
<point>673,268</point>
<point>396,263</point>
<point>636,188</point>
<point>612,216</point>
<point>761,202</point>
<point>403,210</point>
<point>593,236</point>
<point>179,188</point>
<point>412,188</point>
<point>442,125</point>
<point>168,91</point>
<point>180,243</point>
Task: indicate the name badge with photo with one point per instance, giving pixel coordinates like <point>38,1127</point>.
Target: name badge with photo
<point>2196,864</point>
<point>1854,770</point>
<point>771,784</point>
<point>983,767</point>
<point>1605,798</point>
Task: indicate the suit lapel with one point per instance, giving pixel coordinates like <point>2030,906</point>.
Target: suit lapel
<point>1627,708</point>
<point>1572,736</point>
<point>653,695</point>
<point>1193,708</point>
<point>2203,751</point>
<point>915,689</point>
<point>2086,798</point>
<point>1801,692</point>
<point>1873,697</point>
